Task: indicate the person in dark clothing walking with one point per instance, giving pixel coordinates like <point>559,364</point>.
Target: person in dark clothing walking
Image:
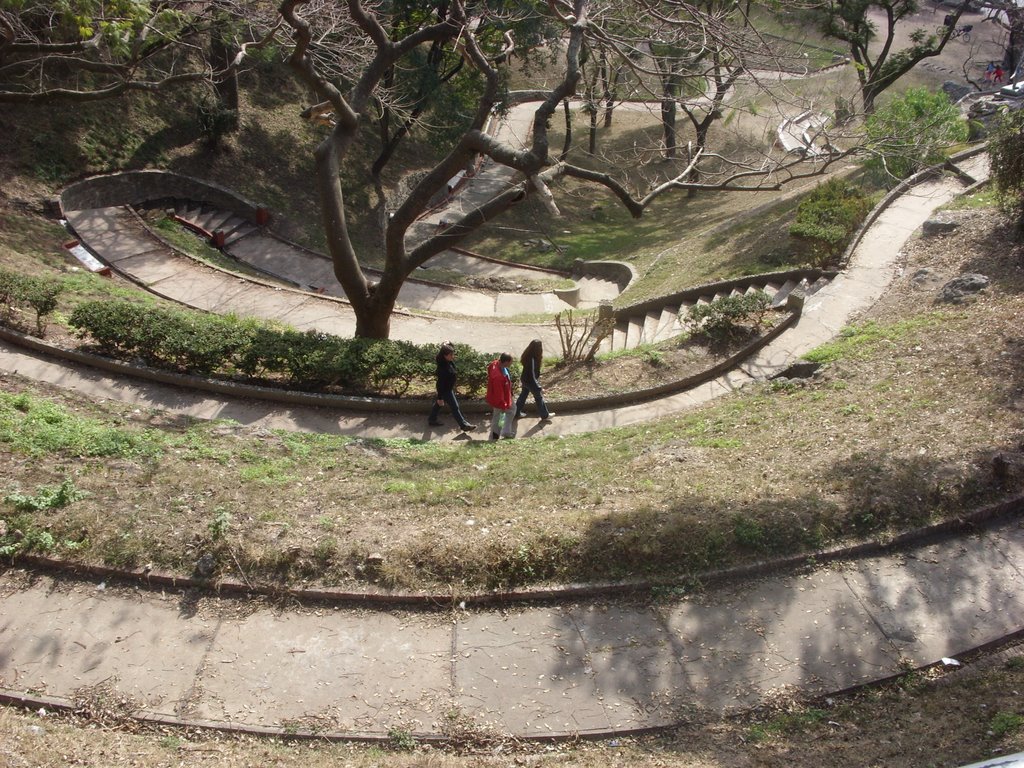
<point>531,360</point>
<point>446,376</point>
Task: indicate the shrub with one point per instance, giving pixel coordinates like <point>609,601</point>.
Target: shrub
<point>724,318</point>
<point>206,344</point>
<point>18,292</point>
<point>120,329</point>
<point>827,217</point>
<point>201,344</point>
<point>912,132</point>
<point>1007,152</point>
<point>215,121</point>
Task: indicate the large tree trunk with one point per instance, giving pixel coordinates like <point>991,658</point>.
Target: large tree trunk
<point>668,122</point>
<point>592,111</point>
<point>373,321</point>
<point>567,144</point>
<point>868,95</point>
<point>221,55</point>
<point>1015,43</point>
<point>610,95</point>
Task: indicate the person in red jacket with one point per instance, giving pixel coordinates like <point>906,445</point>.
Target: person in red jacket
<point>499,397</point>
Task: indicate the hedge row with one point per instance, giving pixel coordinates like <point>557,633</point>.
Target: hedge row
<point>224,345</point>
<point>20,294</point>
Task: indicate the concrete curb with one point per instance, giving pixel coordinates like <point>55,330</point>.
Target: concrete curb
<point>59,704</point>
<point>32,701</point>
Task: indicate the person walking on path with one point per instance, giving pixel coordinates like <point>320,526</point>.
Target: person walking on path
<point>446,376</point>
<point>499,397</point>
<point>531,360</point>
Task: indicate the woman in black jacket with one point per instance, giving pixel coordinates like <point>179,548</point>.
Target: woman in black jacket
<point>446,375</point>
<point>531,360</point>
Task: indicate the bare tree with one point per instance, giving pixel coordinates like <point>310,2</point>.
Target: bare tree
<point>105,49</point>
<point>458,23</point>
<point>878,64</point>
<point>1008,14</point>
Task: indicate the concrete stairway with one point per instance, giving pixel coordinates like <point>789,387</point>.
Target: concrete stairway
<point>213,222</point>
<point>664,318</point>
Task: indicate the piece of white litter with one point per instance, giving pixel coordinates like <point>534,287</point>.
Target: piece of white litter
<point>87,260</point>
<point>951,662</point>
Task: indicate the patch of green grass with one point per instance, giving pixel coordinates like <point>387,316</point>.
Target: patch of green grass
<point>1004,723</point>
<point>984,198</point>
<point>46,497</point>
<point>38,427</point>
<point>277,471</point>
<point>197,444</point>
<point>787,723</point>
<point>433,491</point>
<point>406,487</point>
<point>859,342</point>
<point>717,442</point>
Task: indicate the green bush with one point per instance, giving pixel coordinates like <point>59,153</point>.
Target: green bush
<point>828,216</point>
<point>120,329</point>
<point>209,344</point>
<point>215,120</point>
<point>1007,153</point>
<point>20,292</point>
<point>912,132</point>
<point>725,318</point>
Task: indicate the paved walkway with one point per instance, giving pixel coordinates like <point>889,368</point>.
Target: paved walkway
<point>587,668</point>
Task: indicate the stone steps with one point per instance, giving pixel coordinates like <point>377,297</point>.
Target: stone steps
<point>659,324</point>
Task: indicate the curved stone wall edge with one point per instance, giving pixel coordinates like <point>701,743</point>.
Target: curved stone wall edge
<point>138,187</point>
<point>995,511</point>
<point>619,272</point>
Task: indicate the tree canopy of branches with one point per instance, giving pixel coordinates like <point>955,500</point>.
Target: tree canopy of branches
<point>86,50</point>
<point>912,132</point>
<point>351,80</point>
<point>435,84</point>
<point>879,65</point>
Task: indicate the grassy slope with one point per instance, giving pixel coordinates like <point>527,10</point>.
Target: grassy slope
<point>893,435</point>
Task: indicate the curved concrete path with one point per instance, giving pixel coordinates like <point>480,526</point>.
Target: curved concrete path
<point>589,668</point>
